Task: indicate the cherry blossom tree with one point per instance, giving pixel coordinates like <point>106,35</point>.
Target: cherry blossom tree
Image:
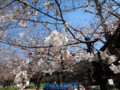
<point>9,61</point>
<point>41,29</point>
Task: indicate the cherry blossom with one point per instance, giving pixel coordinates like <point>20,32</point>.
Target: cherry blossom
<point>115,69</point>
<point>56,39</point>
<point>22,79</point>
<point>108,58</point>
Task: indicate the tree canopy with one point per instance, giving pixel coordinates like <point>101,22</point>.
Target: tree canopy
<point>44,36</point>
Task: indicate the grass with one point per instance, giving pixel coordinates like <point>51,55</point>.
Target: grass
<point>30,87</point>
<point>9,88</point>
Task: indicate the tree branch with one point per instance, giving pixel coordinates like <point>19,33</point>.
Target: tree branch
<point>110,39</point>
<point>39,10</point>
<point>7,5</point>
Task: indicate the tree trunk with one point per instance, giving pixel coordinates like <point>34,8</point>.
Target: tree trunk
<point>38,85</point>
<point>61,72</point>
<point>101,75</point>
<point>104,85</point>
<point>38,81</point>
<point>60,78</point>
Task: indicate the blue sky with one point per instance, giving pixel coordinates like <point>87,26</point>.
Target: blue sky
<point>79,17</point>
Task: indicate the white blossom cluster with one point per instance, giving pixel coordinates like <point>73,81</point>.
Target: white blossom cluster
<point>6,18</point>
<point>22,79</point>
<point>56,39</point>
<point>23,23</point>
<point>87,57</point>
<point>115,69</point>
<point>23,1</point>
<point>47,66</point>
<point>78,57</point>
<point>47,4</point>
<point>10,18</point>
<point>108,58</point>
<point>22,34</point>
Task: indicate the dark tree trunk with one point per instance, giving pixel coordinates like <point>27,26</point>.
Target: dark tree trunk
<point>104,84</point>
<point>61,72</point>
<point>38,81</point>
<point>101,75</point>
<point>60,78</point>
<point>38,85</point>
